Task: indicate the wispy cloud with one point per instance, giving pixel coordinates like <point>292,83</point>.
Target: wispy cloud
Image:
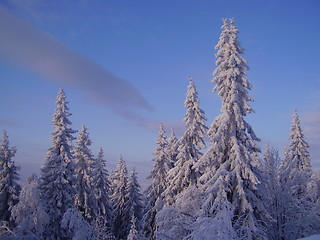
<point>153,125</point>
<point>27,47</point>
<point>9,122</point>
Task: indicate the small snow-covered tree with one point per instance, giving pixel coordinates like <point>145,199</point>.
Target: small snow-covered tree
<point>158,176</point>
<point>101,184</point>
<point>271,171</point>
<point>183,174</point>
<point>134,203</point>
<point>118,199</point>
<point>9,188</point>
<point>28,214</point>
<point>299,212</point>
<point>172,148</point>
<point>176,221</point>
<point>134,233</point>
<point>57,173</point>
<point>230,165</point>
<point>75,226</point>
<point>195,121</point>
<point>85,199</point>
<point>298,149</point>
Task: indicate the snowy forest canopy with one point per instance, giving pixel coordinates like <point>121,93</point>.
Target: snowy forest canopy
<point>230,191</point>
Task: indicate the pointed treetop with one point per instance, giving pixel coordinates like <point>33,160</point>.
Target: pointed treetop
<point>161,131</point>
<point>195,117</point>
<point>61,90</point>
<point>161,140</point>
<point>121,167</point>
<point>8,152</point>
<point>61,97</point>
<point>101,153</point>
<point>172,134</point>
<point>83,138</point>
<point>298,153</point>
<point>133,173</point>
<point>5,139</point>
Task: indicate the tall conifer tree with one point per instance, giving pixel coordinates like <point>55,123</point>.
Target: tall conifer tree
<point>230,164</point>
<point>9,188</point>
<point>57,173</point>
<point>299,215</point>
<point>85,201</point>
<point>118,199</point>
<point>298,148</point>
<point>183,174</point>
<point>158,176</point>
<point>134,201</point>
<point>172,148</point>
<point>102,193</point>
<point>273,200</point>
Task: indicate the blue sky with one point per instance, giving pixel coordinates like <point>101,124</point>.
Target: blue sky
<point>124,66</point>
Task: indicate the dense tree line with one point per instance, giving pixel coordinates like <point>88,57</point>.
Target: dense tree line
<point>226,190</point>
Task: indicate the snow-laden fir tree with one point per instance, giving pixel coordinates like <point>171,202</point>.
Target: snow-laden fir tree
<point>299,212</point>
<point>286,204</point>
<point>298,149</point>
<point>134,233</point>
<point>28,214</point>
<point>76,227</point>
<point>230,165</point>
<point>183,174</point>
<point>134,201</point>
<point>9,188</point>
<point>57,173</point>
<point>176,221</point>
<point>271,170</point>
<point>85,199</point>
<point>118,198</point>
<point>158,176</point>
<point>101,184</point>
<point>172,148</point>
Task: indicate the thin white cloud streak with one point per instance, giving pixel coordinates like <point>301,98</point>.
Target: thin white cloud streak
<point>35,51</point>
<point>9,122</point>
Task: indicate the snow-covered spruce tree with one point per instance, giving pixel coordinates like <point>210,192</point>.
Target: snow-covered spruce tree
<point>230,165</point>
<point>29,214</point>
<point>158,176</point>
<point>287,205</point>
<point>175,221</point>
<point>183,174</point>
<point>57,173</point>
<point>297,152</point>
<point>134,202</point>
<point>134,233</point>
<point>271,170</point>
<point>9,188</point>
<point>172,148</point>
<point>85,199</point>
<point>76,227</point>
<point>299,214</point>
<point>118,199</point>
<point>101,190</point>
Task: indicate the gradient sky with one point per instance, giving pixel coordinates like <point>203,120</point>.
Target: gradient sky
<point>124,66</point>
